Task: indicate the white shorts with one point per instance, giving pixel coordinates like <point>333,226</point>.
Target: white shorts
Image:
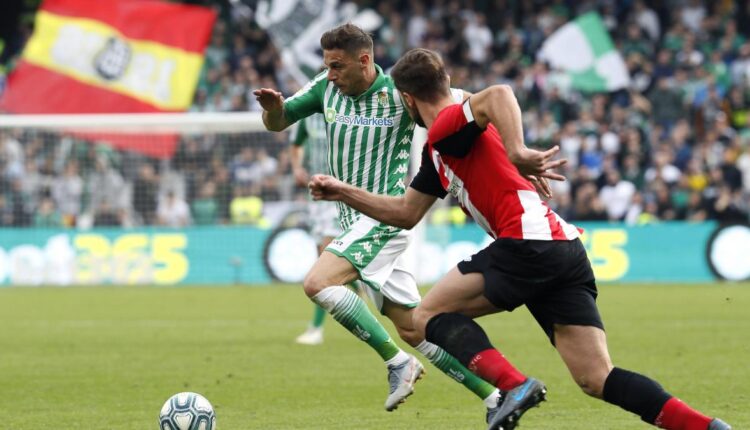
<point>376,250</point>
<point>324,220</point>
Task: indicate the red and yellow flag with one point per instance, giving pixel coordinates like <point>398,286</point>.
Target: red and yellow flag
<point>113,56</point>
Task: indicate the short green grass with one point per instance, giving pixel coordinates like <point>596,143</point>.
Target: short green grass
<point>107,358</point>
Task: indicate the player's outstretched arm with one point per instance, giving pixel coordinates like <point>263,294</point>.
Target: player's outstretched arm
<point>498,105</point>
<point>402,211</point>
<point>272,103</point>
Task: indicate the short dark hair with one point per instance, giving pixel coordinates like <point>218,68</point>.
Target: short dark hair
<point>347,37</point>
<point>421,73</point>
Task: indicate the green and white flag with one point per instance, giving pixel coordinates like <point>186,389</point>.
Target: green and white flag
<point>583,50</point>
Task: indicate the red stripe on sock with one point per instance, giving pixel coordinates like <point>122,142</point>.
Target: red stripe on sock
<point>492,366</point>
<point>676,415</point>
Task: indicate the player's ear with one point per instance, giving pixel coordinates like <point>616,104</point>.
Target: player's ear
<point>364,59</point>
<point>408,99</point>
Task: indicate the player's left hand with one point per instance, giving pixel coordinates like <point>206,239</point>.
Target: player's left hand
<point>542,186</point>
<point>324,187</point>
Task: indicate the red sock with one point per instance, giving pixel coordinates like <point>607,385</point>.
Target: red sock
<point>676,415</point>
<point>492,366</point>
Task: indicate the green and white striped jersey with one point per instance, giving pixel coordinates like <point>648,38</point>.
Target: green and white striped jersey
<point>311,132</point>
<point>369,136</point>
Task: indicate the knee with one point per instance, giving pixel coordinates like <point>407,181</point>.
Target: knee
<point>313,284</point>
<point>592,383</point>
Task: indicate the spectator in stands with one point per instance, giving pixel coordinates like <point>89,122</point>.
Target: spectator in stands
<point>244,170</point>
<point>695,209</point>
<point>616,195</point>
<point>245,207</point>
<point>587,206</point>
<point>67,193</point>
<point>173,211</point>
<point>105,185</point>
<point>666,104</point>
<point>47,215</point>
<point>145,189</point>
<point>205,209</point>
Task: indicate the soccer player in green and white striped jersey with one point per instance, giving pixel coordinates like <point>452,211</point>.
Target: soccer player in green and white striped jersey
<point>369,136</point>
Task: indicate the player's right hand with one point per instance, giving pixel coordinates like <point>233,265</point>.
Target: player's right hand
<point>270,100</point>
<point>324,187</point>
<point>531,162</point>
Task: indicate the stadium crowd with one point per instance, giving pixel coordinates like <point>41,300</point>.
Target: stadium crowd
<point>675,145</point>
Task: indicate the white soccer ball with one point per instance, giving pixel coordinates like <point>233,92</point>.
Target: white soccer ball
<point>187,411</point>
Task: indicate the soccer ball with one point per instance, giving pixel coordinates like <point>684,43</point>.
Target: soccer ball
<point>187,411</point>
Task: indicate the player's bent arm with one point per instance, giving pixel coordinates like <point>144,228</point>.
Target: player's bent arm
<point>402,211</point>
<point>275,120</point>
<point>272,103</point>
<point>499,106</point>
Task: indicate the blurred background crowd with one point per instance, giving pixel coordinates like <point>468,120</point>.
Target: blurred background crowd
<point>675,145</point>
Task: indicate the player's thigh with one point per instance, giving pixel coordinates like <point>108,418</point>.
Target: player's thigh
<point>323,242</point>
<point>455,292</point>
<point>327,271</point>
<point>584,351</point>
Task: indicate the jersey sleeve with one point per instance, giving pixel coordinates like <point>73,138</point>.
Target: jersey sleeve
<point>306,101</point>
<point>427,180</point>
<point>298,135</point>
<point>454,131</point>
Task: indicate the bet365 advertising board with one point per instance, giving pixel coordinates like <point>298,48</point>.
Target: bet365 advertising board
<point>224,255</point>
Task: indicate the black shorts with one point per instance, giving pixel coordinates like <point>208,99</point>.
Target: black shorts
<point>552,278</point>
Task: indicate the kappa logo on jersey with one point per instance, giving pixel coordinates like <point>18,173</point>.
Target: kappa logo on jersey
<point>359,257</point>
<point>332,116</point>
<point>368,247</point>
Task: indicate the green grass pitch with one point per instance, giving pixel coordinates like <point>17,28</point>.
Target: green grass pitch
<point>107,358</point>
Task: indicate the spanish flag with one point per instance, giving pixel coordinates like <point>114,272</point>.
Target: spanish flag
<point>113,56</point>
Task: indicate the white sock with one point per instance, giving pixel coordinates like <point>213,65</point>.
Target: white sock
<point>329,297</point>
<point>427,349</point>
<point>397,359</point>
<point>491,400</point>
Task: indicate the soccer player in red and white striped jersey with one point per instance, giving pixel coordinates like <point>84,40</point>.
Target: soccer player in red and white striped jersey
<point>475,152</point>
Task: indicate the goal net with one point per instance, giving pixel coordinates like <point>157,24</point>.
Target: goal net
<point>161,199</point>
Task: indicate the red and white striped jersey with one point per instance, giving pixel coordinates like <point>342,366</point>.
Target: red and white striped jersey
<point>471,164</point>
